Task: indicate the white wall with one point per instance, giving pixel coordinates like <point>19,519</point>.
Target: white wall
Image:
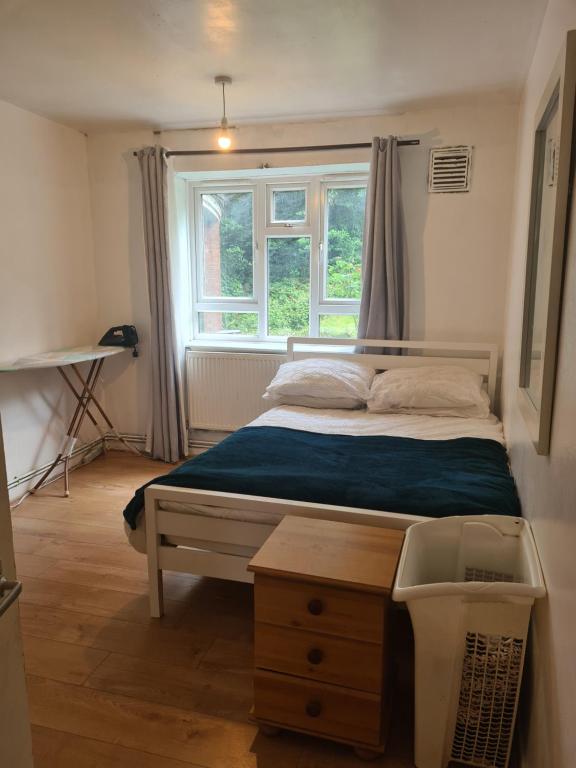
<point>458,243</point>
<point>547,484</point>
<point>120,268</point>
<point>47,295</point>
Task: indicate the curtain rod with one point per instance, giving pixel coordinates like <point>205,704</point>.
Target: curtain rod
<point>268,150</point>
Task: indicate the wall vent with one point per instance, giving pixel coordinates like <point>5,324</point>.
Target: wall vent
<point>449,169</point>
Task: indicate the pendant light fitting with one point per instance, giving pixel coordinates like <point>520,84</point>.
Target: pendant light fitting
<point>224,139</point>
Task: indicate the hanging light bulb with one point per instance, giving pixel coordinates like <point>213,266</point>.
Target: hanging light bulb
<point>224,138</point>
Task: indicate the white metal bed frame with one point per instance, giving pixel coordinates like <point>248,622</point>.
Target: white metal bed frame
<point>220,547</point>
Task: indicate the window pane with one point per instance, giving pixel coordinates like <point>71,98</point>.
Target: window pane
<point>289,205</point>
<point>288,286</point>
<point>339,326</point>
<point>228,323</point>
<point>227,244</point>
<point>345,211</point>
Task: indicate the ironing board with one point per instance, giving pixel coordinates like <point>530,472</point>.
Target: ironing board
<point>83,392</point>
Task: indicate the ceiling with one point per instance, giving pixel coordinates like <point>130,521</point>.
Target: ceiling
<point>108,64</point>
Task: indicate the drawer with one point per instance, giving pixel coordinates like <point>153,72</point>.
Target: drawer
<point>327,710</point>
<point>323,658</point>
<point>347,613</point>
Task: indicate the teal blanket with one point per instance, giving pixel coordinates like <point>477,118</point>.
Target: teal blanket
<point>434,478</point>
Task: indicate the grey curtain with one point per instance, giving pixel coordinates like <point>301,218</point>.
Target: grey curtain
<point>168,431</point>
<point>383,310</point>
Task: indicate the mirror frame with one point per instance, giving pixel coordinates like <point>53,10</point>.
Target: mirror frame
<point>560,91</point>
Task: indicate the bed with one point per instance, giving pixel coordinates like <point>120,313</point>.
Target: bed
<point>211,515</point>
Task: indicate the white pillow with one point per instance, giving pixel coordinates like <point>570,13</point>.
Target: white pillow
<point>344,384</point>
<point>315,402</point>
<point>445,390</point>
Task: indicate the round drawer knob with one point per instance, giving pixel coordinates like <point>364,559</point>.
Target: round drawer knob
<point>315,655</point>
<point>315,607</point>
<point>313,708</point>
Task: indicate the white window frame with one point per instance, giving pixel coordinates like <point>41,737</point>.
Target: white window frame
<point>288,223</point>
<point>315,228</point>
<point>343,304</point>
<point>200,296</point>
<point>276,235</point>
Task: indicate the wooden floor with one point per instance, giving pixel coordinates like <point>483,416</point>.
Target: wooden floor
<point>111,688</point>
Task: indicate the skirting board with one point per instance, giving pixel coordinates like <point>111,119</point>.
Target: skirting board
<point>89,451</point>
<point>80,455</point>
<point>198,440</point>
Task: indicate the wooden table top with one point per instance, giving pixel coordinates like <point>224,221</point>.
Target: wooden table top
<point>346,555</point>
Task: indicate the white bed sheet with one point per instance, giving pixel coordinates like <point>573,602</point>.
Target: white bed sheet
<point>340,422</point>
<point>363,423</point>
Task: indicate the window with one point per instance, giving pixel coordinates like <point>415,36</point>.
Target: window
<point>288,266</point>
<point>288,205</point>
<point>343,238</point>
<point>227,238</point>
<point>277,257</point>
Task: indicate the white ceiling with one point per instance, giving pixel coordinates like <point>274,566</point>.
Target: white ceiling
<point>102,64</point>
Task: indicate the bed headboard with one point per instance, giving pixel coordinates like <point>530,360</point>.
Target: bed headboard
<point>481,358</point>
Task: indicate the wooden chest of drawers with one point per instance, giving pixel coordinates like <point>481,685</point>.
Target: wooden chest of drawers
<point>322,594</point>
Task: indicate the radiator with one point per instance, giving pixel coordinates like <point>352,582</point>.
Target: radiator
<point>225,388</point>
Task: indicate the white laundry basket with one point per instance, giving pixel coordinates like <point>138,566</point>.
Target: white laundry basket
<point>469,583</point>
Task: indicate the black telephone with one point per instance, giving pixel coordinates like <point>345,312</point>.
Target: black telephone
<point>121,336</point>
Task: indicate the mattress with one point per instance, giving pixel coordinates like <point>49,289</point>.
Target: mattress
<point>339,422</point>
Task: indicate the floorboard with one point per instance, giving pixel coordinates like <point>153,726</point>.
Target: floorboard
<point>152,641</point>
<point>108,555</point>
<point>57,749</point>
<point>222,694</point>
<point>111,688</point>
<point>177,586</point>
<point>61,661</point>
<point>33,565</point>
<point>99,601</point>
<point>166,731</point>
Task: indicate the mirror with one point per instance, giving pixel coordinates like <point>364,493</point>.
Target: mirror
<point>551,182</point>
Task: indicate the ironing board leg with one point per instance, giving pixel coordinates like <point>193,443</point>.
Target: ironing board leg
<point>111,426</point>
<point>73,428</point>
<point>66,477</point>
<point>77,395</point>
<point>85,398</point>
